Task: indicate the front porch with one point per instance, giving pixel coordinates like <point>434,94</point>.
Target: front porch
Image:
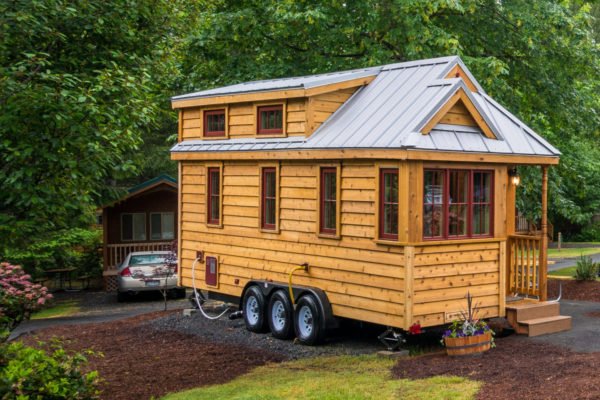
<point>527,307</point>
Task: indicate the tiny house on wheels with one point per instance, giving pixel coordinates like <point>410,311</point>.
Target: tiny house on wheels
<point>381,194</point>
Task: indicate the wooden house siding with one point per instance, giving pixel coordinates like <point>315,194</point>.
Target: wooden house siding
<point>241,117</point>
<point>363,280</point>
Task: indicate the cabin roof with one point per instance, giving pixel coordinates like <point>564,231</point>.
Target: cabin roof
<point>133,191</point>
<point>390,113</point>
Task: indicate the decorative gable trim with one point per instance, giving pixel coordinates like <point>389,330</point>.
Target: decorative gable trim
<point>462,96</point>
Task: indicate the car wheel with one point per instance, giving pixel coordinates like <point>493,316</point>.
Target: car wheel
<point>122,297</point>
<point>254,310</point>
<point>281,315</point>
<point>307,320</point>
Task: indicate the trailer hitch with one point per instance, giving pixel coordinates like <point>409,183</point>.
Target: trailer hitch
<point>392,339</point>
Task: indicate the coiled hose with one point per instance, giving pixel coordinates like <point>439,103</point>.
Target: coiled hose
<point>197,297</point>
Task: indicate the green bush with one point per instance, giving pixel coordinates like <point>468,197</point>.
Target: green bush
<point>72,248</point>
<point>32,373</point>
<point>589,233</point>
<point>586,269</point>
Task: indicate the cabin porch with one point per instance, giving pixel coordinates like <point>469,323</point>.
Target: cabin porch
<point>527,307</point>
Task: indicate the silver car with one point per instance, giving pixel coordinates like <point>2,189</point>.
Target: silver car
<point>143,271</point>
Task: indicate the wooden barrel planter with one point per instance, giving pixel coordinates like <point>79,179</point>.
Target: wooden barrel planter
<point>468,345</point>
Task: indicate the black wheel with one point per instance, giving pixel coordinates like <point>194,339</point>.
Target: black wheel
<point>307,320</point>
<point>254,310</point>
<point>122,297</point>
<point>280,314</point>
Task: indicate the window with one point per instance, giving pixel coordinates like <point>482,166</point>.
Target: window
<point>269,199</point>
<point>211,276</point>
<point>162,226</point>
<point>388,204</point>
<point>328,201</point>
<point>270,120</point>
<point>214,123</point>
<point>457,204</point>
<point>214,196</point>
<point>133,227</point>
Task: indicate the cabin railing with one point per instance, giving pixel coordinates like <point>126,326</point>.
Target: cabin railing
<point>526,275</point>
<point>115,253</point>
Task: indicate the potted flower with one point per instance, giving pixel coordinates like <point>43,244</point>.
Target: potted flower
<point>468,335</point>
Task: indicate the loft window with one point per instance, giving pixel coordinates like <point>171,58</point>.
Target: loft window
<point>270,120</point>
<point>388,204</point>
<point>162,226</point>
<point>457,204</point>
<point>133,227</point>
<point>214,123</point>
<point>214,196</point>
<point>269,199</point>
<point>328,206</point>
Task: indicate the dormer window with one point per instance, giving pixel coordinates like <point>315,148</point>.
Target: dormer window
<point>270,120</point>
<point>214,123</point>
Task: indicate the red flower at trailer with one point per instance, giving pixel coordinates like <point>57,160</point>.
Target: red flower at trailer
<point>415,329</point>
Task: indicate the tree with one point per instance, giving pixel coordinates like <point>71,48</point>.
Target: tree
<point>538,58</point>
<point>80,84</point>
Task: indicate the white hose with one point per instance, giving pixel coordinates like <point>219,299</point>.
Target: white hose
<point>197,297</point>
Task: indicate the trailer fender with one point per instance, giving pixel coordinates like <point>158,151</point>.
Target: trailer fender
<point>268,287</point>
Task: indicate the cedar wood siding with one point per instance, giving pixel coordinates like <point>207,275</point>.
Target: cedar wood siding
<point>364,279</point>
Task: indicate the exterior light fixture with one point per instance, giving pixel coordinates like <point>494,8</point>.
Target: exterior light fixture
<point>514,176</point>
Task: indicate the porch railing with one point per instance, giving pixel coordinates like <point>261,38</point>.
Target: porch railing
<point>525,265</point>
<point>115,253</point>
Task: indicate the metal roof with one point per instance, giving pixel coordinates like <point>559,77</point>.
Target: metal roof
<point>300,82</point>
<point>390,113</point>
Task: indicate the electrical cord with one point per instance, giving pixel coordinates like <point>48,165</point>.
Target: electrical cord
<point>197,296</point>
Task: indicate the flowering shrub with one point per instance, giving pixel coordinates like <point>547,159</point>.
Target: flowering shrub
<point>19,297</point>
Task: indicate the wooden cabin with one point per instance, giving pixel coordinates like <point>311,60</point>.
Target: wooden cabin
<point>394,184</point>
<point>145,219</point>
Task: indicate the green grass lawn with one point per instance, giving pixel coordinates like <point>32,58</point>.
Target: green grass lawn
<point>568,271</point>
<point>328,378</point>
<point>61,308</point>
<point>572,253</point>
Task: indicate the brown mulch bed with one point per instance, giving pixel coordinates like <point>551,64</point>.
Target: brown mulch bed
<point>574,290</point>
<point>140,362</point>
<point>518,368</point>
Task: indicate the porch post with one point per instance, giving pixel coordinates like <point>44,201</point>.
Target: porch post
<point>544,249</point>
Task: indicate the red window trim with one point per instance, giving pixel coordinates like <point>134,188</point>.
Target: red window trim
<point>470,204</point>
<point>323,200</point>
<point>382,203</point>
<point>210,195</point>
<point>264,198</point>
<point>259,111</point>
<point>208,113</point>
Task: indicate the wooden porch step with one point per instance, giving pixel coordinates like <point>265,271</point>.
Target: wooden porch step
<point>543,326</point>
<point>529,309</point>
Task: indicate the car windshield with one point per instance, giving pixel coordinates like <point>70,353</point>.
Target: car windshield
<point>147,259</point>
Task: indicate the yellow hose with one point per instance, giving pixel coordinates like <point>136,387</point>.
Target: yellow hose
<point>303,267</point>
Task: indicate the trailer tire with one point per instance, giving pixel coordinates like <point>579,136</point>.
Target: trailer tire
<point>308,321</point>
<point>280,314</point>
<point>254,310</point>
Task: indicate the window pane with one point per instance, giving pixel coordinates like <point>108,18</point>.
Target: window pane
<point>269,212</point>
<point>457,220</point>
<point>139,226</point>
<point>459,187</point>
<point>155,226</point>
<point>389,204</point>
<point>481,220</point>
<point>127,227</point>
<point>269,184</point>
<point>433,221</point>
<point>434,187</point>
<point>214,182</point>
<point>330,181</point>
<point>168,226</point>
<point>214,208</point>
